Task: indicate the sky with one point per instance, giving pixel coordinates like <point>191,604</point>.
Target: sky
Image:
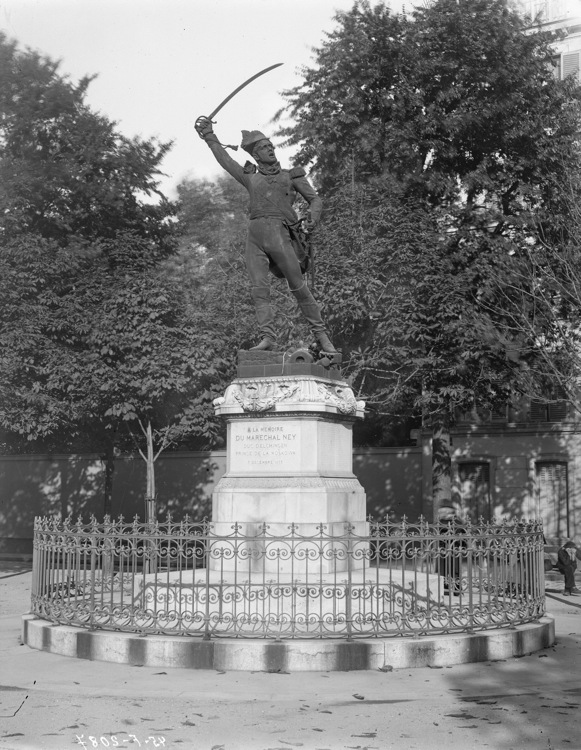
<point>162,63</point>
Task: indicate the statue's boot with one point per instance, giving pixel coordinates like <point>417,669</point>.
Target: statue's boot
<point>312,312</point>
<point>265,345</point>
<point>264,318</point>
<point>325,342</point>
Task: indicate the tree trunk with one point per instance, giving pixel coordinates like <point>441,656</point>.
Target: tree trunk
<point>109,459</point>
<point>441,463</point>
<point>150,509</point>
<point>65,489</point>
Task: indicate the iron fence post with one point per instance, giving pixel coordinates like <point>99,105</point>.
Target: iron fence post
<point>348,593</point>
<point>469,575</point>
<point>92,578</point>
<point>207,584</point>
<point>37,566</point>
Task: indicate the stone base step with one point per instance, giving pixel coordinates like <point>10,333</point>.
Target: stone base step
<point>314,655</point>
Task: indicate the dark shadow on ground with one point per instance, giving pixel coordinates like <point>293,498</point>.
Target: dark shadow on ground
<point>10,568</point>
<point>531,701</point>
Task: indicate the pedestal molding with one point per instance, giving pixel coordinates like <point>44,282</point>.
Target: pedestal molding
<point>288,394</point>
<point>315,482</point>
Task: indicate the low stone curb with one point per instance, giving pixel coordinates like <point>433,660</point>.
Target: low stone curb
<point>290,655</point>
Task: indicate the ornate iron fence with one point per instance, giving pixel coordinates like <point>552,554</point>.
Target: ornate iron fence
<point>400,579</point>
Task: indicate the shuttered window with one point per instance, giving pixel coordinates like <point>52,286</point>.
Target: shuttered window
<point>571,64</point>
<point>557,411</point>
<point>538,411</point>
<point>552,498</point>
<point>475,489</point>
<point>553,411</point>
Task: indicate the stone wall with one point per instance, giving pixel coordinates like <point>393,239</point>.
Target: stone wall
<point>63,485</point>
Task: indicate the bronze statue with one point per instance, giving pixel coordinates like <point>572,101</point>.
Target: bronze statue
<point>269,245</point>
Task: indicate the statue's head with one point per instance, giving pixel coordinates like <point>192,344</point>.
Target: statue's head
<point>258,146</point>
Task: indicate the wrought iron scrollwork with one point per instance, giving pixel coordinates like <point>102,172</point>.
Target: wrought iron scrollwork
<point>185,578</point>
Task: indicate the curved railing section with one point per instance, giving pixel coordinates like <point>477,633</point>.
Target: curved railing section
<point>182,578</point>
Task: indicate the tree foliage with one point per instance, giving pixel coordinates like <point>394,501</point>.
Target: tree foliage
<point>67,173</point>
<point>456,104</point>
<point>93,335</point>
<point>542,292</point>
<point>442,142</point>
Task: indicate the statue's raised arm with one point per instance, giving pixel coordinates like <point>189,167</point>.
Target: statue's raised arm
<point>273,222</point>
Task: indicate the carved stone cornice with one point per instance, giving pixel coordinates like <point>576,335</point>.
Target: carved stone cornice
<point>289,394</point>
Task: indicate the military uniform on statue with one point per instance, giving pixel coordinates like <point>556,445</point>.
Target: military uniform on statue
<point>273,222</point>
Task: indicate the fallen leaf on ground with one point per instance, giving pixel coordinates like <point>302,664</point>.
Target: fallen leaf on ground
<point>461,716</point>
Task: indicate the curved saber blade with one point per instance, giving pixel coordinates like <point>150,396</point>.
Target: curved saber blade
<point>242,85</point>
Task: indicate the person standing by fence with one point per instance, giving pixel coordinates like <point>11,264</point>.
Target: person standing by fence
<point>567,565</point>
<point>451,549</point>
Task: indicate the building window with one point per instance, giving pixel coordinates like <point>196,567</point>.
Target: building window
<point>475,490</point>
<point>551,411</point>
<point>571,65</point>
<point>553,498</point>
<point>499,415</point>
<point>547,10</point>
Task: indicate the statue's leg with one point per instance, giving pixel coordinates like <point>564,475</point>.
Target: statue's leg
<point>284,256</point>
<point>257,267</point>
<point>264,316</point>
<point>312,312</point>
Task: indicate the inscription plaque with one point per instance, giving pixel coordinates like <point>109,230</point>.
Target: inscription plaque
<point>272,445</point>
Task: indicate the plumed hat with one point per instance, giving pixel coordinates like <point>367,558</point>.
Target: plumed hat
<point>250,138</point>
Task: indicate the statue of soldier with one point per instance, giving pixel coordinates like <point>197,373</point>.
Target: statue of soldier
<point>269,247</point>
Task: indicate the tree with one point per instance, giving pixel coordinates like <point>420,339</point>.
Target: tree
<point>544,284</point>
<point>92,335</point>
<point>67,173</point>
<point>447,135</point>
<point>87,348</point>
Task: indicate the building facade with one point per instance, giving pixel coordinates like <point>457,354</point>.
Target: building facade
<point>523,462</point>
<point>526,461</point>
<point>558,15</point>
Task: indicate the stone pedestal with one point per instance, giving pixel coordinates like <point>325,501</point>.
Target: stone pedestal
<point>289,462</point>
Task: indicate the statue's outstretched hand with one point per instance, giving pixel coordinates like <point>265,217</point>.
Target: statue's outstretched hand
<point>203,127</point>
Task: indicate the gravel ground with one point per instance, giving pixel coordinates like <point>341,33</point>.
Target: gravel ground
<point>56,703</point>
